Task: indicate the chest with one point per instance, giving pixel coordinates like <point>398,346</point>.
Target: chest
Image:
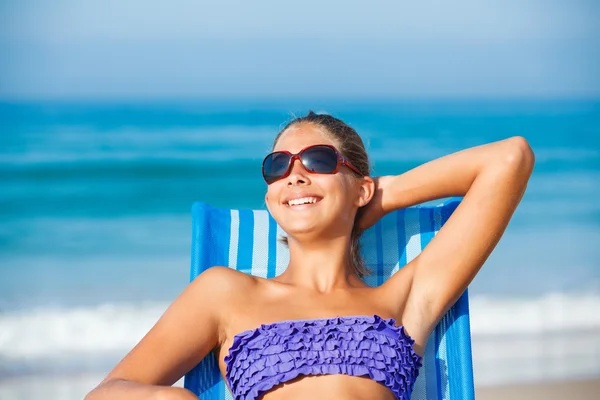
<point>258,309</point>
<point>361,346</point>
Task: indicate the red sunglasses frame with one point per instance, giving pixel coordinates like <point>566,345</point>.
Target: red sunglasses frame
<point>341,160</point>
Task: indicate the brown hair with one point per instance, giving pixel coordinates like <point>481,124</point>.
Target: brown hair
<point>351,146</point>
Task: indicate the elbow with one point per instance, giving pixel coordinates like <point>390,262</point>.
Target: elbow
<point>97,392</point>
<point>90,396</point>
<point>518,156</point>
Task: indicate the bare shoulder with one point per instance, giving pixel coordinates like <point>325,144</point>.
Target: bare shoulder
<point>192,326</point>
<point>212,287</point>
<point>227,288</point>
<point>223,281</point>
<point>226,274</point>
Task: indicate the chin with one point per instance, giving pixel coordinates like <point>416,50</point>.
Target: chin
<point>299,230</point>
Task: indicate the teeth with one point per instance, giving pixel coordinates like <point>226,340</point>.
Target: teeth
<point>304,200</point>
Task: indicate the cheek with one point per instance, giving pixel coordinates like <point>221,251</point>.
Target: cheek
<point>272,195</point>
<point>344,187</point>
<point>347,192</point>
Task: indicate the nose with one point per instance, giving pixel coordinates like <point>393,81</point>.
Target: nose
<point>298,175</point>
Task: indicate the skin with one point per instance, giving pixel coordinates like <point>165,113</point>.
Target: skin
<point>319,281</point>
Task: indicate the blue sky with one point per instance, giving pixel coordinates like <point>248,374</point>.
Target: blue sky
<point>198,49</point>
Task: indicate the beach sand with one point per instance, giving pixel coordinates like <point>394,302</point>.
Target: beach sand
<point>588,389</point>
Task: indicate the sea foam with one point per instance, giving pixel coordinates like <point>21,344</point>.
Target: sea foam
<point>58,340</point>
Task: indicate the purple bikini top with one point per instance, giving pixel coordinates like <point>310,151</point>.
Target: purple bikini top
<point>262,358</point>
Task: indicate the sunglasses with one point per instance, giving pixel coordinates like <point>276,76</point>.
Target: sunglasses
<point>318,159</point>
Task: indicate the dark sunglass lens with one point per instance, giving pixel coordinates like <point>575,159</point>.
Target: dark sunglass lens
<point>275,166</point>
<point>320,159</point>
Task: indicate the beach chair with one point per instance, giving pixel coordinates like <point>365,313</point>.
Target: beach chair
<point>247,241</point>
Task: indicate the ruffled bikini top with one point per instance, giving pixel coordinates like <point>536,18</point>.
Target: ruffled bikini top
<point>262,358</point>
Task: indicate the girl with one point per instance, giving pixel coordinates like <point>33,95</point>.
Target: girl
<point>317,330</point>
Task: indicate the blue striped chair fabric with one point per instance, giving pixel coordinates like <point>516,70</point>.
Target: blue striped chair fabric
<point>246,240</point>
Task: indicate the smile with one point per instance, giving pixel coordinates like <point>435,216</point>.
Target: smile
<point>302,201</point>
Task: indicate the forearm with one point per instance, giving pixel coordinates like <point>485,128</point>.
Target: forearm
<point>452,175</point>
<point>126,390</point>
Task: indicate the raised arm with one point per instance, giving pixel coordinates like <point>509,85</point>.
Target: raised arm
<point>492,178</point>
<point>186,332</point>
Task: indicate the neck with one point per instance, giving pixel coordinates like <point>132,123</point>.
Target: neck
<point>322,266</point>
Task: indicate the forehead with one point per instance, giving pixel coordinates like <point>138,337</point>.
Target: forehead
<point>300,136</point>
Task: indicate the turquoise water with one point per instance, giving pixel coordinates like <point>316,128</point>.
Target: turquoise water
<point>95,205</point>
<point>83,182</point>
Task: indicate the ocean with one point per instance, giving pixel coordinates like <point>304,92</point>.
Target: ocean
<point>95,224</point>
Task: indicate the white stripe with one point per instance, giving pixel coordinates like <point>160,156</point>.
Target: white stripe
<point>283,253</point>
<point>228,395</point>
<point>412,227</point>
<point>412,231</point>
<point>233,238</point>
<point>260,247</point>
<point>442,350</point>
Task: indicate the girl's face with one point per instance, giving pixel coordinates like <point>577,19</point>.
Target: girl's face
<point>308,203</point>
